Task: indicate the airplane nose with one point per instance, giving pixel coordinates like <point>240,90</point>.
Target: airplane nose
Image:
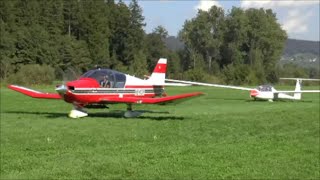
<point>254,93</point>
<point>62,89</point>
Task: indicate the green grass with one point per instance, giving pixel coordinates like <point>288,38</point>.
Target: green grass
<point>220,135</point>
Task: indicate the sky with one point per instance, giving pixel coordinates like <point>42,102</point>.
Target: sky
<point>299,18</point>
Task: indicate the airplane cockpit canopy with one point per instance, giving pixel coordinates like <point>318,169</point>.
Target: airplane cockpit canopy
<point>265,88</point>
<point>117,79</point>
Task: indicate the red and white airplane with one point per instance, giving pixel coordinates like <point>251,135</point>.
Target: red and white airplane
<point>263,92</point>
<point>122,88</point>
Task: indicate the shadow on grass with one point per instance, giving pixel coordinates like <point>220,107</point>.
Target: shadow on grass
<point>112,114</point>
<point>120,114</point>
<point>227,99</point>
<point>47,114</point>
<point>279,101</point>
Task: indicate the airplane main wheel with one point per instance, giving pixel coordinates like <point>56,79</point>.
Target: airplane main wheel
<point>132,114</point>
<point>129,107</point>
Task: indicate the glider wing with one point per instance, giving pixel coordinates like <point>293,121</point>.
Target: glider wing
<point>212,85</point>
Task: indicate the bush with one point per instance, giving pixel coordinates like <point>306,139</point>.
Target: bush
<point>33,74</point>
<point>236,74</point>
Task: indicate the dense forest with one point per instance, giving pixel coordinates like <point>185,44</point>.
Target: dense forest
<point>292,46</point>
<point>41,39</point>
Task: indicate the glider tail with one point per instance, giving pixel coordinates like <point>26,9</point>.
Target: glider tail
<point>158,75</point>
<point>298,91</point>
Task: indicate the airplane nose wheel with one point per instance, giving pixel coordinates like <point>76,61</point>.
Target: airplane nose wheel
<point>131,114</point>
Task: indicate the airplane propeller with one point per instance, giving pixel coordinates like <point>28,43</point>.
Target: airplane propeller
<point>61,89</point>
<point>70,74</point>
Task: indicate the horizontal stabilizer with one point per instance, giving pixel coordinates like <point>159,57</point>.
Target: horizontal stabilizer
<point>302,91</point>
<point>303,79</point>
<point>140,100</point>
<point>33,93</point>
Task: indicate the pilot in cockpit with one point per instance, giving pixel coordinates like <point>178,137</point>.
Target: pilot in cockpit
<point>105,83</point>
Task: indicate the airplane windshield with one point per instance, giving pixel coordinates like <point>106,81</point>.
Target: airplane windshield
<point>116,79</point>
<point>265,88</point>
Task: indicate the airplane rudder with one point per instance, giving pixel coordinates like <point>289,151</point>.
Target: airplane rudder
<point>161,66</point>
<point>298,88</point>
<point>159,73</point>
<point>298,85</point>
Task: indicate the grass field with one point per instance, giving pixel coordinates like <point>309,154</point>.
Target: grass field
<point>223,134</point>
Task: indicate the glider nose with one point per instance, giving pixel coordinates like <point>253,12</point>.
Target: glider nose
<point>254,93</point>
<point>62,89</point>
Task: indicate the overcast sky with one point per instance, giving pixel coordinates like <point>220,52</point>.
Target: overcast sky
<point>299,18</point>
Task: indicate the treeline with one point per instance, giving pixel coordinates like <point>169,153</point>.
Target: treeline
<point>78,34</point>
<point>240,46</point>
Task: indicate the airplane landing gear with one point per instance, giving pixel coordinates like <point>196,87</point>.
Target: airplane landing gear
<point>131,114</point>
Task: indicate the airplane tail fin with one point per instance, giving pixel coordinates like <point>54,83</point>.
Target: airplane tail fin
<point>298,88</point>
<point>158,75</point>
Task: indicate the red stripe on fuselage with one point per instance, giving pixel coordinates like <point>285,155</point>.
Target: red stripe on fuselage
<point>142,86</point>
<point>160,68</point>
<point>97,98</point>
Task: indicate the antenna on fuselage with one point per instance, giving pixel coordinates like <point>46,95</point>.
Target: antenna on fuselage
<point>97,67</point>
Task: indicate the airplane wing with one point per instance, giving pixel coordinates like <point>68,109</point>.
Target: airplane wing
<point>33,93</point>
<point>212,85</point>
<point>141,100</point>
<point>176,84</point>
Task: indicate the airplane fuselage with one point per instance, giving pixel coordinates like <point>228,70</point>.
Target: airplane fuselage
<point>106,86</point>
<point>88,90</point>
<point>270,95</point>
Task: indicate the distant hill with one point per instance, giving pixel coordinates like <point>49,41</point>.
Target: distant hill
<point>302,53</point>
<point>293,46</point>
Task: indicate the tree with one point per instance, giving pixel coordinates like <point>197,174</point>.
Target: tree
<point>71,18</point>
<point>94,30</point>
<point>204,35</point>
<point>139,65</point>
<point>7,40</point>
<point>248,42</point>
<point>235,46</point>
<point>119,25</point>
<point>266,35</point>
<point>74,54</point>
<point>134,43</point>
<point>155,46</point>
